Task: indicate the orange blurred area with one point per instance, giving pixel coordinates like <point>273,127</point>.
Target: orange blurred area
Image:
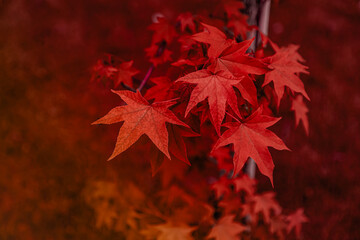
<point>54,166</point>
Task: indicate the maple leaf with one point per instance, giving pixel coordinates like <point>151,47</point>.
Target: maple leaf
<point>286,67</point>
<point>217,88</point>
<point>247,89</point>
<point>192,52</point>
<point>160,91</point>
<point>102,70</point>
<point>169,231</point>
<point>193,61</point>
<point>223,159</point>
<point>236,20</point>
<point>97,195</point>
<point>111,208</point>
<point>252,139</point>
<point>264,203</point>
<point>244,182</point>
<point>235,60</point>
<point>231,205</point>
<point>155,57</point>
<point>125,73</point>
<point>186,20</point>
<point>296,220</point>
<point>226,229</point>
<point>140,118</point>
<point>106,215</point>
<point>188,44</point>
<point>163,31</point>
<point>300,109</point>
<point>278,225</point>
<point>221,187</point>
<point>176,143</point>
<point>177,148</point>
<point>216,38</point>
<point>232,7</point>
<point>239,25</point>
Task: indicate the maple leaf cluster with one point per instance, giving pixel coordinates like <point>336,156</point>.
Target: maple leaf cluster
<point>221,89</point>
<point>174,209</point>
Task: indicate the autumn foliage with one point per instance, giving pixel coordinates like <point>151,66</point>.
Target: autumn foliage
<point>205,113</point>
<point>63,62</point>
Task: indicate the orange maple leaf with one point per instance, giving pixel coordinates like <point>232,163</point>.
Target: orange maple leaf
<point>226,229</point>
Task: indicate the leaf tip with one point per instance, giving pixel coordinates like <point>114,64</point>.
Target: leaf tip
<point>96,122</point>
<point>272,181</point>
<point>111,157</point>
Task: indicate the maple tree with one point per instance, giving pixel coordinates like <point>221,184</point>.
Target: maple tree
<point>219,96</point>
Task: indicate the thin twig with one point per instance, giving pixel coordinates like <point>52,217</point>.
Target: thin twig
<point>147,76</point>
<point>159,52</point>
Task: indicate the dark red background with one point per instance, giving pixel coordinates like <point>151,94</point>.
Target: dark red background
<point>49,150</point>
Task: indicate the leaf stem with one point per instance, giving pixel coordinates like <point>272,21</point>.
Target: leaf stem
<point>233,117</point>
<point>159,52</point>
<point>147,76</point>
<point>128,87</point>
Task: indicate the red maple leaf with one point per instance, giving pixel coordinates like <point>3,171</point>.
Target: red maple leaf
<point>239,25</point>
<point>278,226</point>
<point>155,57</point>
<point>232,8</point>
<point>176,143</point>
<point>216,38</point>
<point>286,67</point>
<point>125,73</point>
<point>163,31</point>
<point>160,91</point>
<point>217,88</point>
<point>102,69</point>
<point>221,187</point>
<point>265,203</point>
<point>231,204</point>
<point>227,55</point>
<point>300,109</point>
<point>140,118</point>
<point>252,139</point>
<point>245,183</point>
<point>186,21</point>
<point>248,90</point>
<point>223,159</point>
<point>235,60</point>
<point>192,53</point>
<point>236,20</point>
<point>296,220</point>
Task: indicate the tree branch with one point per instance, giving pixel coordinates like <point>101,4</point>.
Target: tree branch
<point>261,18</point>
